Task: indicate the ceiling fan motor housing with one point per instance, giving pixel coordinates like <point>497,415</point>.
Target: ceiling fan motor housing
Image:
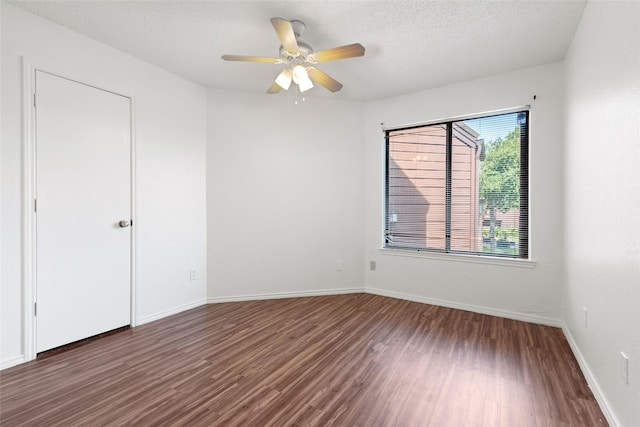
<point>304,50</point>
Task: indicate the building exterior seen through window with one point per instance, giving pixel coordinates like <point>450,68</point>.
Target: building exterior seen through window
<point>459,186</point>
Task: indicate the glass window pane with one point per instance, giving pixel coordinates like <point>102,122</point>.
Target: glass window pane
<point>498,183</point>
<point>416,187</point>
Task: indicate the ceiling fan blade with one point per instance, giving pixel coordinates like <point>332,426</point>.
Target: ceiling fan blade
<point>287,37</point>
<point>274,88</point>
<point>323,79</point>
<point>342,52</point>
<point>251,58</point>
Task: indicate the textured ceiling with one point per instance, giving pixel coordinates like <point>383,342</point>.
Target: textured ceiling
<point>410,45</point>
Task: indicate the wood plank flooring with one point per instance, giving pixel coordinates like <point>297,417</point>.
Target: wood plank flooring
<point>345,360</point>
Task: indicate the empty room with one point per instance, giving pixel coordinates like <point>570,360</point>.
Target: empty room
<point>347,213</point>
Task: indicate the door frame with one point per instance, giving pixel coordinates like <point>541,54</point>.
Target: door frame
<point>29,273</point>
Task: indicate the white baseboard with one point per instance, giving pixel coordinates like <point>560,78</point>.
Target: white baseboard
<point>12,362</point>
<point>174,310</point>
<point>279,295</point>
<point>591,379</point>
<point>469,307</point>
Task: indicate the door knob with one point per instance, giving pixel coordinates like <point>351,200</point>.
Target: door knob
<point>124,223</point>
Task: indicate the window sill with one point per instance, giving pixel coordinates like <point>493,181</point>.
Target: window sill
<point>474,259</point>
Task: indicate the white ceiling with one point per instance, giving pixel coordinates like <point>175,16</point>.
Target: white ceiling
<point>410,45</point>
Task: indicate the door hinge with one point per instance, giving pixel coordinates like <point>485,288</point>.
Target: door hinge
<point>35,205</point>
<point>35,308</point>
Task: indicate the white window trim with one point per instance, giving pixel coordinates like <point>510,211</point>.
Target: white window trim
<point>455,257</point>
<point>457,118</point>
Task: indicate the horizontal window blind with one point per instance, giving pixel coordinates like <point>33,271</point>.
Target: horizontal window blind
<point>459,186</point>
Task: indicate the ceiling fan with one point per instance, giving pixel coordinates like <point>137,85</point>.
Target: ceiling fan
<point>300,59</point>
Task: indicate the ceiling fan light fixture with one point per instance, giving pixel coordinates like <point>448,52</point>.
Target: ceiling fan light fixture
<point>284,79</point>
<point>301,77</point>
<point>305,84</point>
<point>299,73</point>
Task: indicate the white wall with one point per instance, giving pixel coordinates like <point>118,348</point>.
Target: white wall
<point>284,195</point>
<point>293,189</point>
<point>524,293</point>
<point>602,206</point>
<point>170,133</point>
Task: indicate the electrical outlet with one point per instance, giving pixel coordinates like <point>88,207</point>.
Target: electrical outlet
<point>585,316</point>
<point>193,275</point>
<point>624,367</point>
<point>339,265</point>
<point>372,265</point>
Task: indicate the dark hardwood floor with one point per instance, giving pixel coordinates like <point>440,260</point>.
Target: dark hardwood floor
<point>346,360</point>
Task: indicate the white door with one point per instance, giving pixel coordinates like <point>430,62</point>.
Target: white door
<point>83,191</point>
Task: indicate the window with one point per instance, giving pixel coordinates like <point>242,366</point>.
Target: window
<point>459,186</point>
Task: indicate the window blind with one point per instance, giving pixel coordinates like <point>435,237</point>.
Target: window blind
<point>459,186</point>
